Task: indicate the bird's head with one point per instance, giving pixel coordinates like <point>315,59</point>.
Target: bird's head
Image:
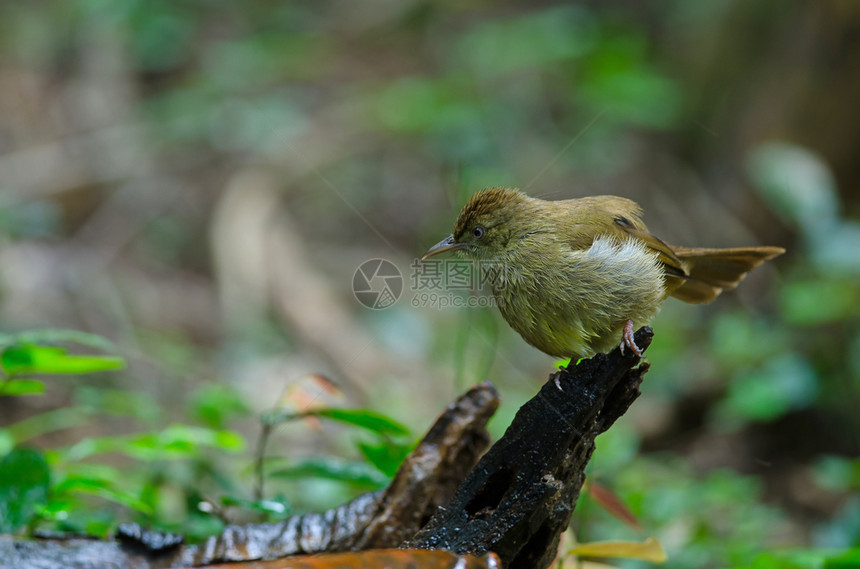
<point>487,223</point>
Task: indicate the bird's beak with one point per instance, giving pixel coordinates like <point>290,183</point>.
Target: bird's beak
<point>443,246</point>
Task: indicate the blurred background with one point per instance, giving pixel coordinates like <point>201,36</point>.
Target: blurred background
<point>199,181</point>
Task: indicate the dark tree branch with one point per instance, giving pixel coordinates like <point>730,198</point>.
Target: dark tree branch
<point>425,480</point>
<point>519,498</point>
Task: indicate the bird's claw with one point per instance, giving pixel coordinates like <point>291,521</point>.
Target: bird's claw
<point>627,340</point>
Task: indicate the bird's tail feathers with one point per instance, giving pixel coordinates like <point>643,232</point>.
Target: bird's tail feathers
<point>711,271</point>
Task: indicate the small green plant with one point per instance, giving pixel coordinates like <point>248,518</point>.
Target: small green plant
<point>34,353</point>
<point>382,456</point>
<point>156,476</point>
<point>30,490</point>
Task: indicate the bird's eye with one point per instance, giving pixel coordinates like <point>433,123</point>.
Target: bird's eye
<point>479,231</point>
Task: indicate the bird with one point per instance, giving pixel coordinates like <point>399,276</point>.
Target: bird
<point>573,276</point>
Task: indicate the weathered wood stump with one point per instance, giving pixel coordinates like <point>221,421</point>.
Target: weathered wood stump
<point>519,498</point>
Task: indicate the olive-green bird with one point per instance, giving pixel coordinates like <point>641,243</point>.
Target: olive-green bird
<point>573,276</point>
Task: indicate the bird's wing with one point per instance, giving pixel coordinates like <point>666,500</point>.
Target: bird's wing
<point>673,266</point>
<point>621,218</point>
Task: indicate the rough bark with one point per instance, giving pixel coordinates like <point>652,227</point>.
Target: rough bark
<point>519,498</point>
<point>426,479</point>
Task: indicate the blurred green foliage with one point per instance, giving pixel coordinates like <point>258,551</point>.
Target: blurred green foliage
<point>61,488</point>
<point>24,481</point>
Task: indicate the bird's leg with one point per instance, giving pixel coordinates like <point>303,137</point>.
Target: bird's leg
<point>627,340</point>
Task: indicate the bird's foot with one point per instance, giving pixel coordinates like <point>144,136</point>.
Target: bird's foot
<point>627,340</point>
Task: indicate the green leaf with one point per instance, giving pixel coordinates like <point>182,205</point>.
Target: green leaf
<point>797,183</point>
<point>818,301</point>
<point>386,456</point>
<point>181,441</point>
<point>90,446</point>
<point>741,339</point>
<point>786,382</point>
<point>56,336</point>
<point>537,39</point>
<point>364,418</point>
<point>648,549</point>
<point>637,95</point>
<point>7,442</point>
<point>22,359</point>
<point>354,472</point>
<point>102,488</point>
<point>173,443</point>
<point>46,422</point>
<point>22,387</point>
<point>215,405</point>
<point>837,473</point>
<point>417,104</point>
<point>807,559</point>
<point>24,480</point>
<point>228,440</point>
<point>118,402</point>
<point>276,508</point>
<point>836,251</point>
<point>109,475</point>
